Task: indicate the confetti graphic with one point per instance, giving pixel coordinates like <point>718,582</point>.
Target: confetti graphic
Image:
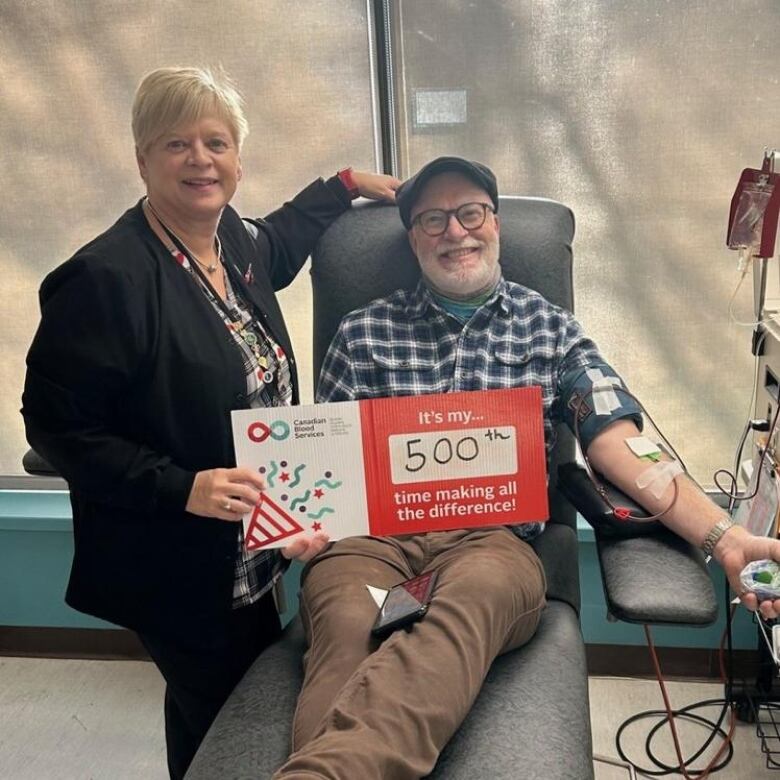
<point>331,485</point>
<point>296,474</point>
<point>273,521</point>
<point>300,499</point>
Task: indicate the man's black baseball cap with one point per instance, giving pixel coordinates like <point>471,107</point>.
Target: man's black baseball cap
<point>407,194</point>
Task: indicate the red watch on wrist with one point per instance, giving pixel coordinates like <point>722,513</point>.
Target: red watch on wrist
<point>345,177</point>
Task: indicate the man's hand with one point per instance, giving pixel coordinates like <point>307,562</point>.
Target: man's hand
<point>306,547</point>
<point>376,186</point>
<point>735,550</point>
<point>226,494</point>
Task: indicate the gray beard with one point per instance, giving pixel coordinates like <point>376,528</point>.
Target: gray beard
<point>469,297</point>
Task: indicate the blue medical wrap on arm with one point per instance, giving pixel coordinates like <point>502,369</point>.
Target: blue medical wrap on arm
<point>575,391</point>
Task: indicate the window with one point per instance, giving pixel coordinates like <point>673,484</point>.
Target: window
<point>640,117</point>
<point>70,70</point>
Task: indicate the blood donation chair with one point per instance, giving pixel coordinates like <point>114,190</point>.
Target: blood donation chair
<point>531,719</point>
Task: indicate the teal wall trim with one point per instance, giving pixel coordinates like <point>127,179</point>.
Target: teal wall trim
<point>36,547</point>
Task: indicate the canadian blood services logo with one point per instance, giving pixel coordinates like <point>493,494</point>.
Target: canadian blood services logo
<point>258,432</point>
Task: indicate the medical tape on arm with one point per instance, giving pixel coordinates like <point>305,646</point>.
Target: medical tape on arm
<point>659,476</point>
<point>605,399</point>
<point>592,398</point>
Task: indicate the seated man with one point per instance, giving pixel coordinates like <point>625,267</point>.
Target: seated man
<point>385,710</point>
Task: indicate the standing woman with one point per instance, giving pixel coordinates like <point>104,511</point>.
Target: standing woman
<point>150,336</point>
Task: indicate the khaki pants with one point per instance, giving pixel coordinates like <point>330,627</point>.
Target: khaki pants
<point>385,710</point>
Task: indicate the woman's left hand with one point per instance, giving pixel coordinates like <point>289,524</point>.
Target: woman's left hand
<point>377,186</point>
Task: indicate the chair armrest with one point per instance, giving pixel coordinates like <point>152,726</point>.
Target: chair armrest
<point>654,578</point>
<point>34,464</point>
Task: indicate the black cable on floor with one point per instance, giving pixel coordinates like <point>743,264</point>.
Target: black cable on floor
<point>669,716</point>
<point>685,713</point>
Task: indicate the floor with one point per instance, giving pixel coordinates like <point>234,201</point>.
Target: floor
<point>101,720</point>
<point>613,700</point>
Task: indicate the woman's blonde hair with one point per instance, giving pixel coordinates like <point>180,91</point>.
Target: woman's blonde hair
<point>168,97</point>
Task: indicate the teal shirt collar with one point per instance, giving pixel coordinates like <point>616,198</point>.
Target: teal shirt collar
<point>462,310</point>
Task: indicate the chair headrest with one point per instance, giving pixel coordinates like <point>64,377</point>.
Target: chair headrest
<point>365,254</point>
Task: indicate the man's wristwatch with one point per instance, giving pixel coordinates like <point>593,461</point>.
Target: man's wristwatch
<point>713,537</point>
<point>346,178</point>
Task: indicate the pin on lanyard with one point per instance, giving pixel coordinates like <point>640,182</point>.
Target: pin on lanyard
<point>236,324</point>
<point>238,327</point>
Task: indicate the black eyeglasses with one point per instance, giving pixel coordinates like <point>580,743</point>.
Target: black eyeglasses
<point>471,216</point>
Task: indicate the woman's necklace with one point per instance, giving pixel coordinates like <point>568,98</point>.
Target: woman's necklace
<point>212,268</point>
<point>234,320</point>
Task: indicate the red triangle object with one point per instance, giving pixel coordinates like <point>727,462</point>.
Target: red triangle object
<point>270,523</point>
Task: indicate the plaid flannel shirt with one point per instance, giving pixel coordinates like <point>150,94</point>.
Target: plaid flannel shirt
<point>406,344</point>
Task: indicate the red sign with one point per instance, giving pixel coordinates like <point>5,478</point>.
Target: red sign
<point>454,460</point>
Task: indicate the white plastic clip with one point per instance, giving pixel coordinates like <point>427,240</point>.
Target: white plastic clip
<point>773,645</point>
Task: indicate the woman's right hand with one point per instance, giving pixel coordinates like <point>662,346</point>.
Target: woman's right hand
<point>227,494</point>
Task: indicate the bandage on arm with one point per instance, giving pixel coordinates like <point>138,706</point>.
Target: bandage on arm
<point>653,485</point>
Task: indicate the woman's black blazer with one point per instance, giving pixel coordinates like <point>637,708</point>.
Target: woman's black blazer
<point>131,378</point>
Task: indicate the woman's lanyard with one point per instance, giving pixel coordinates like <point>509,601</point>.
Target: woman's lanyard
<point>231,313</point>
